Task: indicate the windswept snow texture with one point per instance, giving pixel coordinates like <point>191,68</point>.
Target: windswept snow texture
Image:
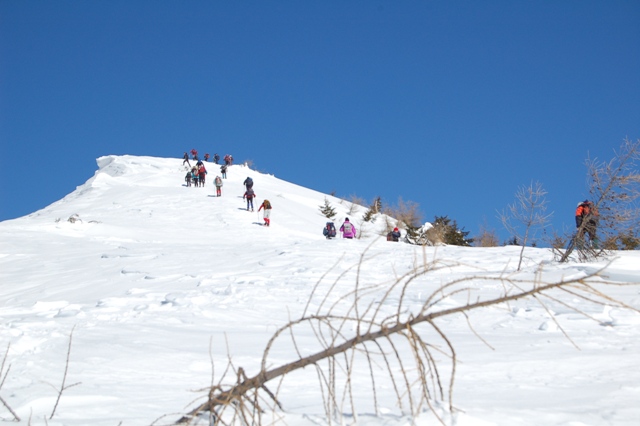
<point>159,281</point>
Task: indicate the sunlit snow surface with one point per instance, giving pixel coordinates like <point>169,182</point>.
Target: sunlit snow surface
<point>159,281</point>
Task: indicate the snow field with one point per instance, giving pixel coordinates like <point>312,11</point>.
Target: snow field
<point>154,273</point>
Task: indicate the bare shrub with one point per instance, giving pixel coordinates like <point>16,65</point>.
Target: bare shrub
<point>487,237</point>
<point>557,241</point>
<point>355,204</point>
<point>527,215</point>
<point>407,213</point>
<point>389,224</point>
<point>362,231</point>
<point>628,240</point>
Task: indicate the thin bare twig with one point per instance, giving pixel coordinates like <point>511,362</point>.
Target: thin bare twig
<point>64,387</point>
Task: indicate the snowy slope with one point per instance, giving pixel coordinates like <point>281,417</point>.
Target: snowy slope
<point>154,273</point>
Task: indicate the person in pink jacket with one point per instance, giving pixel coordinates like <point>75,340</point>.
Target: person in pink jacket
<point>347,229</point>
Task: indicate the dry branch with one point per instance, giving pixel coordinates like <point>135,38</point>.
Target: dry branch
<point>63,386</point>
<point>3,377</point>
<point>344,335</point>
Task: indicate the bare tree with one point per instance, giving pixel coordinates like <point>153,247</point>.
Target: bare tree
<point>355,204</point>
<point>353,337</point>
<point>407,213</point>
<point>614,189</point>
<point>527,215</point>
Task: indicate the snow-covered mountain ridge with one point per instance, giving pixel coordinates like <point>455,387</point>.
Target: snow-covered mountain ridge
<point>153,271</point>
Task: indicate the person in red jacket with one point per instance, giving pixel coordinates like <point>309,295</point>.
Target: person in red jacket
<point>587,220</point>
<point>266,205</point>
<point>201,174</point>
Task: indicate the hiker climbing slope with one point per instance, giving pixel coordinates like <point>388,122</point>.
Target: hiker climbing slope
<point>249,195</point>
<point>266,205</point>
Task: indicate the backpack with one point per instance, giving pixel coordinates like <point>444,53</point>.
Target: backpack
<point>218,181</point>
<point>250,193</point>
<point>329,230</point>
<point>266,204</point>
<point>389,237</point>
<point>348,228</point>
<point>248,182</point>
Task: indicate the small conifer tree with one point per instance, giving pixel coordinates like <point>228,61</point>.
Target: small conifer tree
<point>374,209</point>
<point>414,234</point>
<point>368,215</point>
<point>513,241</point>
<point>327,209</point>
<point>452,234</point>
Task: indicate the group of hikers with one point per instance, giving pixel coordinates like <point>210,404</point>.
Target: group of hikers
<point>249,195</point>
<point>586,213</point>
<point>196,176</point>
<point>587,218</point>
<point>228,158</point>
<point>348,230</point>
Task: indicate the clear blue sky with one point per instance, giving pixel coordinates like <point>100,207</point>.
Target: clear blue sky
<point>451,104</point>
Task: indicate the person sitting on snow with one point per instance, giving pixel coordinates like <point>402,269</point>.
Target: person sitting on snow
<point>394,235</point>
<point>329,230</point>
